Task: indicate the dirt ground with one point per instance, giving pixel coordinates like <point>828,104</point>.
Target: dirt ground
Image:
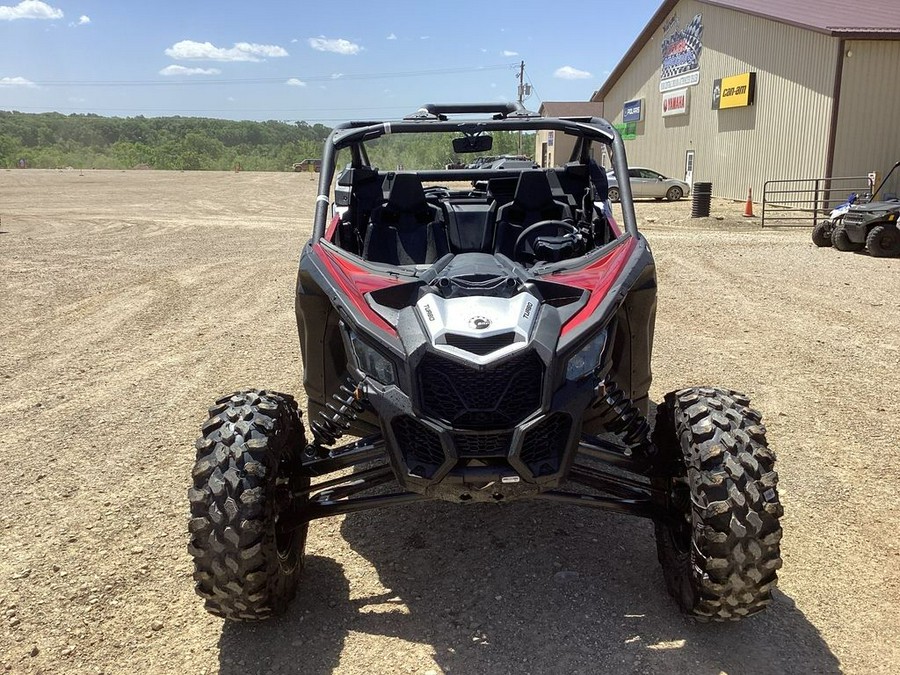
<point>131,300</point>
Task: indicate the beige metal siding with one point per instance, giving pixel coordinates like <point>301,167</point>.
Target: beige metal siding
<point>558,153</point>
<point>784,135</point>
<point>868,128</point>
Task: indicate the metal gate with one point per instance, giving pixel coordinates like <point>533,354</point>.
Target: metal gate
<point>802,202</point>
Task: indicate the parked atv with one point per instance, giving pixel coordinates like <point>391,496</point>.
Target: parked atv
<point>821,234</point>
<point>488,339</point>
<point>872,226</point>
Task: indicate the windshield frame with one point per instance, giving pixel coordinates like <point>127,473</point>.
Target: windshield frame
<point>353,135</point>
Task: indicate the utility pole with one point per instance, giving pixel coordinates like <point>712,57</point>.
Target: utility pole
<point>524,90</point>
<point>522,82</point>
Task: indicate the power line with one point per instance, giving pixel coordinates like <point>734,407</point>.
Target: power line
<point>404,108</point>
<point>533,88</point>
<point>297,114</point>
<point>267,80</point>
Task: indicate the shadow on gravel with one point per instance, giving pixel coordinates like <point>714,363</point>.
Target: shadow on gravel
<point>518,588</point>
<point>531,587</point>
<point>307,639</point>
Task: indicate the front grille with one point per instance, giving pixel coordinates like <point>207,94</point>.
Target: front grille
<point>853,218</point>
<point>544,445</point>
<point>481,346</point>
<point>482,445</point>
<point>420,446</point>
<point>496,397</point>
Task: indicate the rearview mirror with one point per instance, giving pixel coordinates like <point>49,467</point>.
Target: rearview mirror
<point>480,143</point>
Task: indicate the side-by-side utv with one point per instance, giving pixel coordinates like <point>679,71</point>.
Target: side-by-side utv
<point>485,336</point>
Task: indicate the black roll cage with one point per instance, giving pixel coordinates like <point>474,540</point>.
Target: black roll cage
<point>433,118</point>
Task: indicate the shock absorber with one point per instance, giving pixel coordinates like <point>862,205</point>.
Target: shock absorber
<point>621,417</point>
<point>330,427</point>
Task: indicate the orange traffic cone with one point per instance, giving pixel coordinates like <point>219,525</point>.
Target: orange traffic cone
<point>748,207</point>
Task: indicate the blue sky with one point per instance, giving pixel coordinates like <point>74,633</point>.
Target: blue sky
<point>319,62</point>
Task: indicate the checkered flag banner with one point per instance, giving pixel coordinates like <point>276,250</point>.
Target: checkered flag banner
<point>681,49</point>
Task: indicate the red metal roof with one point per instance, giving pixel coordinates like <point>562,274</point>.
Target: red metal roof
<point>571,109</point>
<point>842,18</point>
<point>850,19</point>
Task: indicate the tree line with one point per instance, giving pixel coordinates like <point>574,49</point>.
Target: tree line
<point>52,140</point>
<point>82,141</point>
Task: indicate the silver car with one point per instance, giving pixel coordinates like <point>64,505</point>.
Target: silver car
<point>647,183</point>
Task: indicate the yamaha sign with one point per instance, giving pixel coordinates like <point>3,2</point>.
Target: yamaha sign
<point>675,102</point>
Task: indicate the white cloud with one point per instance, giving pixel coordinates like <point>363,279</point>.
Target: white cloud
<point>507,52</point>
<point>336,45</point>
<point>294,41</point>
<point>391,37</point>
<point>29,9</point>
<point>425,37</point>
<point>336,76</point>
<point>570,73</point>
<point>181,70</point>
<point>84,19</point>
<point>190,50</point>
<point>294,82</point>
<point>16,82</point>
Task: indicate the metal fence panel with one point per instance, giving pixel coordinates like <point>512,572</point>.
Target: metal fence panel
<point>802,202</point>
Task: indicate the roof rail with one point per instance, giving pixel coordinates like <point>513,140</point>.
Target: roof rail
<point>440,111</point>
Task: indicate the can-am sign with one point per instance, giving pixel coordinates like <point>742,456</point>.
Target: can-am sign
<point>675,102</point>
<point>681,54</point>
<point>737,91</point>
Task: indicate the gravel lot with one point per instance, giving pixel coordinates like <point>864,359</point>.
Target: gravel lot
<point>130,300</point>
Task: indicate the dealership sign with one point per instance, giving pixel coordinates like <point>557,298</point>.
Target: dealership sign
<point>681,54</point>
<point>675,102</point>
<point>633,111</point>
<point>737,91</point>
<point>628,131</point>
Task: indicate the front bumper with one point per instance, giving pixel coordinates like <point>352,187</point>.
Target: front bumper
<point>481,434</point>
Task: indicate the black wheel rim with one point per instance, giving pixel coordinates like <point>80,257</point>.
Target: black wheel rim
<point>290,534</point>
<point>680,526</point>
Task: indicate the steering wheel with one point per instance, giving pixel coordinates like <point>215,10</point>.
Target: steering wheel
<point>437,191</point>
<point>530,232</point>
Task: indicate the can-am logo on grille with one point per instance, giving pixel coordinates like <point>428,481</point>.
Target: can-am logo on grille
<point>479,322</point>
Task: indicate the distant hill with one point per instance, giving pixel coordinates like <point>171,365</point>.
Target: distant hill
<point>51,140</point>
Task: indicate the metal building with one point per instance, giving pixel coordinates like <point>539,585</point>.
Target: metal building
<point>738,92</point>
<point>552,149</point>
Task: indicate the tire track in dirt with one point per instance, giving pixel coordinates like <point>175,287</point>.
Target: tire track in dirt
<point>162,324</point>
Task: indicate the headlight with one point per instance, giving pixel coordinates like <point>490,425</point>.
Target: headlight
<point>587,359</point>
<point>372,362</point>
